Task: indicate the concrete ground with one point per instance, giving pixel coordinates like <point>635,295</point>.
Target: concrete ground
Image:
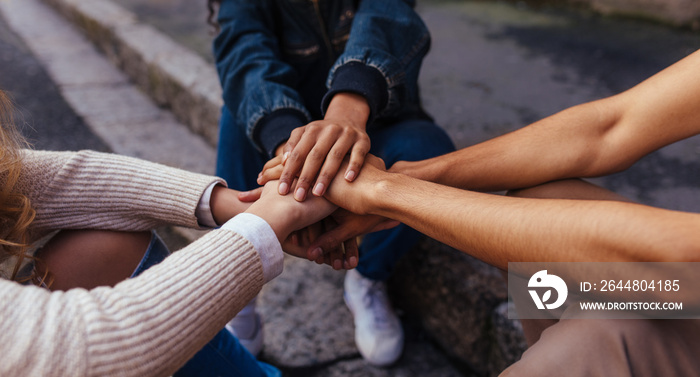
<point>493,67</point>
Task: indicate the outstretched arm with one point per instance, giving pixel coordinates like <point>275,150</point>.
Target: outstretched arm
<point>498,229</point>
<point>593,139</point>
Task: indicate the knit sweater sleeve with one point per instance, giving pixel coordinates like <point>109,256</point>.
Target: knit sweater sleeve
<point>91,190</point>
<point>146,326</point>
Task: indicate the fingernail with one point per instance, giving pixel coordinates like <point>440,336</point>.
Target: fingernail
<point>300,194</point>
<point>259,178</point>
<point>284,157</point>
<point>337,264</point>
<point>350,175</point>
<point>315,253</point>
<point>352,261</point>
<point>284,188</point>
<point>318,189</point>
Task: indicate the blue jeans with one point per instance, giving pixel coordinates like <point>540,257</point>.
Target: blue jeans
<point>223,355</point>
<point>239,162</point>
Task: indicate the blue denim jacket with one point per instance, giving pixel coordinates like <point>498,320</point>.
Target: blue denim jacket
<point>281,61</point>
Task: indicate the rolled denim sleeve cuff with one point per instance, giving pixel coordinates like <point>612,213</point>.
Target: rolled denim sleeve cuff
<point>264,240</point>
<point>355,77</point>
<point>274,129</point>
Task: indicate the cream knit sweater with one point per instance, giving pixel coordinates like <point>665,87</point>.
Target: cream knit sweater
<point>147,326</point>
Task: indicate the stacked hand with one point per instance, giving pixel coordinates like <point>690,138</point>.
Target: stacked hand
<point>350,221</point>
<point>316,155</point>
<point>300,224</point>
<point>313,154</point>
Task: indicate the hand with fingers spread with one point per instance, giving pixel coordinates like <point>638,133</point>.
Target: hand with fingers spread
<point>314,153</point>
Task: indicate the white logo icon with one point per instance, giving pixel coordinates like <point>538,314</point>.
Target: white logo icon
<point>542,280</point>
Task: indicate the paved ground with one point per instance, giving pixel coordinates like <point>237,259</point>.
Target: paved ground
<point>43,114</point>
<point>493,67</point>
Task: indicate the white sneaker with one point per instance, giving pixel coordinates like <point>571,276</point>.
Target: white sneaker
<point>378,331</point>
<point>247,327</point>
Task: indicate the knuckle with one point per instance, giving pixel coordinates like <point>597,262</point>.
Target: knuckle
<point>363,149</point>
<point>313,127</point>
<point>335,133</point>
<point>331,242</point>
<point>315,154</point>
<point>334,153</point>
<point>287,175</point>
<point>354,165</point>
<point>303,181</point>
<point>294,156</point>
<point>325,178</point>
<point>294,135</point>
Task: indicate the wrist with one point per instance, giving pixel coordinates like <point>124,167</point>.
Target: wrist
<point>379,192</point>
<point>351,107</point>
<point>224,204</point>
<point>282,220</point>
<point>258,209</point>
<point>369,194</point>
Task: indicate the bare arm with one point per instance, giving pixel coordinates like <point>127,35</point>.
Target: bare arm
<point>592,139</point>
<point>498,229</point>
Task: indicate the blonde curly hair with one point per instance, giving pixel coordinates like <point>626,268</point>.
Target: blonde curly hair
<point>16,212</point>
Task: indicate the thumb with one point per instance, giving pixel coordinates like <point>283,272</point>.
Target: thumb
<point>250,196</point>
